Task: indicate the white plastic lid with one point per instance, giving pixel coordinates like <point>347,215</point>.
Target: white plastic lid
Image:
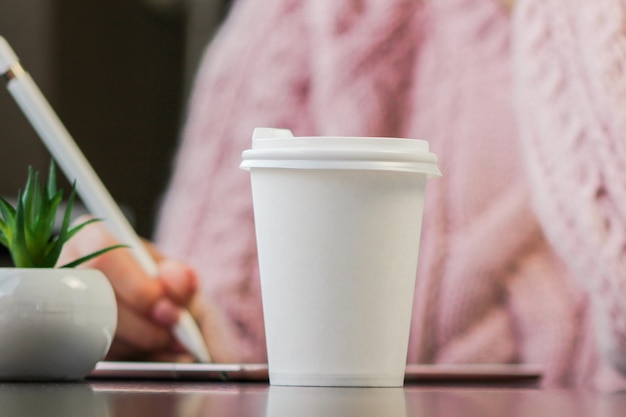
<point>277,148</point>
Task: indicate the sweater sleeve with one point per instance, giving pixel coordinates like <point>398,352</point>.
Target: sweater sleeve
<point>570,89</point>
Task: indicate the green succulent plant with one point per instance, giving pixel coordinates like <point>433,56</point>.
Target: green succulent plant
<point>27,230</point>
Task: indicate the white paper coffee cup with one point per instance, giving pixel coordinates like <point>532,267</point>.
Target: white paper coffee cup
<point>338,223</point>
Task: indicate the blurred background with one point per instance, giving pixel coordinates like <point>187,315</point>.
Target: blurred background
<point>117,72</point>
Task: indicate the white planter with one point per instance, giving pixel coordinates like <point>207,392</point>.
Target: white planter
<point>55,324</point>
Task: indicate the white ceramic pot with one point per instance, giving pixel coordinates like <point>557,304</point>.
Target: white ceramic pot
<point>55,324</point>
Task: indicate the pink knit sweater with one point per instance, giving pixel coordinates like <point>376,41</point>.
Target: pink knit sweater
<point>523,255</point>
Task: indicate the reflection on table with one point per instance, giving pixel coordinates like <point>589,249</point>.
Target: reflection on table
<point>184,399</point>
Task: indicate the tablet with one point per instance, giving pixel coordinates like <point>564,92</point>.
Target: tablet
<point>181,371</point>
<point>259,372</point>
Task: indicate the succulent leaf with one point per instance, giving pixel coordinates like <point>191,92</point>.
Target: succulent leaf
<point>27,229</point>
<point>7,211</point>
<point>31,197</point>
<point>75,229</point>
<point>3,240</point>
<point>19,248</point>
<point>91,256</point>
<point>50,202</point>
<point>6,223</point>
<point>52,180</point>
<point>54,250</point>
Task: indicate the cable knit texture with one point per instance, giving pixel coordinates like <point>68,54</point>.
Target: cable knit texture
<point>525,113</point>
<point>571,85</point>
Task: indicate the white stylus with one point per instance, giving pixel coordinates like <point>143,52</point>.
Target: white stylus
<point>88,185</point>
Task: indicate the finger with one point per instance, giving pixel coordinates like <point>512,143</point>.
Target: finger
<point>155,253</point>
<point>130,282</point>
<point>122,351</point>
<point>179,281</point>
<point>165,312</point>
<point>222,339</point>
<point>140,333</point>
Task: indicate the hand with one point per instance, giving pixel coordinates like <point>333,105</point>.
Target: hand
<point>147,307</point>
